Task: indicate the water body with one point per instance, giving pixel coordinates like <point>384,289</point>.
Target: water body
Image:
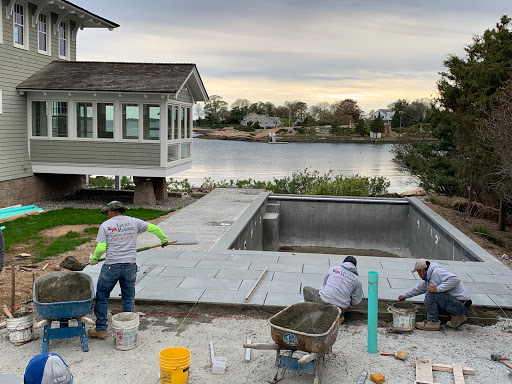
<point>226,160</point>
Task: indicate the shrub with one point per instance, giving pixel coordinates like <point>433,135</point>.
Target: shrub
<point>127,183</point>
<point>101,182</point>
<point>179,185</point>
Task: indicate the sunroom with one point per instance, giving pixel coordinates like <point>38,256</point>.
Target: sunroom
<point>123,119</point>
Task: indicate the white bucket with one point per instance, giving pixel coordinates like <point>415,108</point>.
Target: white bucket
<point>404,316</point>
<point>125,327</point>
<point>21,329</point>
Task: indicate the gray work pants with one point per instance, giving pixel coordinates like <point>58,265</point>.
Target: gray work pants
<point>312,295</point>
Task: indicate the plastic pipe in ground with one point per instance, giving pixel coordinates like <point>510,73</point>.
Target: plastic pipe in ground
<point>373,310</point>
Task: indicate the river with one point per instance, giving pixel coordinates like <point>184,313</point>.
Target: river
<point>227,159</point>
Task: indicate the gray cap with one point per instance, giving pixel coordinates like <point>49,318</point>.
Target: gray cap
<point>420,265</point>
<point>114,206</point>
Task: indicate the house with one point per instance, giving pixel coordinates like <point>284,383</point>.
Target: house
<point>61,119</point>
<point>385,114</point>
<point>262,120</point>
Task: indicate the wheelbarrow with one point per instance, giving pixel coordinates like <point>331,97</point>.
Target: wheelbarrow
<point>309,329</point>
<point>63,297</point>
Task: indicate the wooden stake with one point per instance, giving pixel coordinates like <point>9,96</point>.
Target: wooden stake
<point>13,287</point>
<point>7,312</point>
<point>255,285</point>
<point>45,266</point>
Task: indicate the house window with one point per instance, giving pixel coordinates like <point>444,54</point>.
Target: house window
<point>185,150</point>
<point>43,35</point>
<point>183,123</point>
<point>151,121</point>
<point>59,119</point>
<point>39,118</point>
<point>1,24</point>
<point>105,115</point>
<point>176,120</point>
<point>63,51</point>
<point>130,121</point>
<point>172,152</point>
<point>170,119</point>
<point>189,121</point>
<point>84,120</point>
<point>19,26</point>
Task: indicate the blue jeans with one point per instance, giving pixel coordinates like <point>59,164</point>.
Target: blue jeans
<point>445,301</point>
<point>110,274</point>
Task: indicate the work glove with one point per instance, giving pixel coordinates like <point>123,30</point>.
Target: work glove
<point>94,261</point>
<point>164,244</point>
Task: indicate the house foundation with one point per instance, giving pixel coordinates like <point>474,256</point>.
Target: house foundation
<point>28,190</point>
<point>148,190</point>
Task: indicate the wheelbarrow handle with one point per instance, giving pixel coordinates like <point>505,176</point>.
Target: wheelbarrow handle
<point>264,346</point>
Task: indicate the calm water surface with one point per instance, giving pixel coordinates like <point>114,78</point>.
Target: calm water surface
<point>225,160</point>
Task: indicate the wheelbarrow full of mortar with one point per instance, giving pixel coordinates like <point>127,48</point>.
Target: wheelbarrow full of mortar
<point>63,299</point>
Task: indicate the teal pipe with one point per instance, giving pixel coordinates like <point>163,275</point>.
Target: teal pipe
<point>373,310</point>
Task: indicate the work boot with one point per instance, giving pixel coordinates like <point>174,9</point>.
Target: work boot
<point>429,325</point>
<point>93,332</point>
<point>342,319</point>
<point>457,321</point>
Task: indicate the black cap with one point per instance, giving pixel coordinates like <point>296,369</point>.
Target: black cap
<point>351,259</point>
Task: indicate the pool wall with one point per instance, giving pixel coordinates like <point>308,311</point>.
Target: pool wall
<point>405,227</point>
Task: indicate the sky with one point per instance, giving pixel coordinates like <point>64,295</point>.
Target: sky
<point>373,51</point>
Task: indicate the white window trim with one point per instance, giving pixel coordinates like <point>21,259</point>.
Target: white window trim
<point>25,25</point>
<point>95,121</point>
<point>94,125</point>
<point>1,103</point>
<point>121,138</point>
<point>1,22</point>
<point>29,119</point>
<point>159,123</point>
<point>66,24</point>
<point>71,112</point>
<point>48,34</point>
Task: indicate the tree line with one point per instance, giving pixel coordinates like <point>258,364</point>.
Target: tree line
<point>337,114</point>
<point>471,122</point>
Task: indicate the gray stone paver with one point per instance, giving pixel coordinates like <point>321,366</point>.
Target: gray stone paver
<point>207,273</point>
<point>232,297</point>
<point>283,299</point>
<point>224,284</point>
<point>235,274</point>
<point>271,286</point>
<point>226,276</point>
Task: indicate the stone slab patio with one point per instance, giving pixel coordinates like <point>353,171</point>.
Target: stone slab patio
<point>189,273</point>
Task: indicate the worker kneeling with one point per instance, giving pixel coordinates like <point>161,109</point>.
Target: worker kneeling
<point>443,290</point>
<point>342,287</point>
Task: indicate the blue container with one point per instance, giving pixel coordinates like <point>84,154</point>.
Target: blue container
<point>65,309</point>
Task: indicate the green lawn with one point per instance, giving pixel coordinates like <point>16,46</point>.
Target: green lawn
<point>24,231</point>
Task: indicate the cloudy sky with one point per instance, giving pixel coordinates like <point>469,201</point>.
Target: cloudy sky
<point>373,51</point>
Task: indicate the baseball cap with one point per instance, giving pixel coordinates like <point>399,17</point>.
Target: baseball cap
<point>48,368</point>
<point>420,264</point>
<point>351,259</point>
<point>114,206</point>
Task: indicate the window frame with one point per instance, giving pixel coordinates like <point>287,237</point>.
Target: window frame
<point>139,132</point>
<point>48,33</point>
<point>75,118</point>
<point>151,105</point>
<point>1,22</point>
<point>96,121</point>
<point>46,102</point>
<point>68,125</point>
<point>24,26</point>
<point>65,39</point>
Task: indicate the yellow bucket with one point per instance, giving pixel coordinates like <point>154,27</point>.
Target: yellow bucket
<point>174,364</point>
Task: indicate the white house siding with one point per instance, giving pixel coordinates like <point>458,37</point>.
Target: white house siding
<point>16,66</point>
<point>185,96</point>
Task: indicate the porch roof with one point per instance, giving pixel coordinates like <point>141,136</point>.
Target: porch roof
<point>116,77</point>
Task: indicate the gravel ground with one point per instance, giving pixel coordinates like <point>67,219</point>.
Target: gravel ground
<point>98,198</point>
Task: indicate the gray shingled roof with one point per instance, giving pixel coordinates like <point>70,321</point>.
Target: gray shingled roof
<point>110,77</point>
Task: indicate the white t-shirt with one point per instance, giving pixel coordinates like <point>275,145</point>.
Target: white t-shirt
<point>120,234</point>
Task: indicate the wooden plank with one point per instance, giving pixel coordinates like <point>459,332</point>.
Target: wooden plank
<point>458,376</point>
<point>424,373</point>
<point>248,296</point>
<point>449,368</point>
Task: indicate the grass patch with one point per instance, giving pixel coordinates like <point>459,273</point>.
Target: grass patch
<point>62,244</point>
<point>482,230</point>
<point>92,230</point>
<point>25,230</point>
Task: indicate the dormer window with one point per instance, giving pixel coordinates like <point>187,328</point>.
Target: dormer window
<point>63,40</point>
<point>43,35</point>
<point>20,34</point>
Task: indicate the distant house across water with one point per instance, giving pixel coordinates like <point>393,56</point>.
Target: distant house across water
<point>385,114</point>
<point>262,120</point>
